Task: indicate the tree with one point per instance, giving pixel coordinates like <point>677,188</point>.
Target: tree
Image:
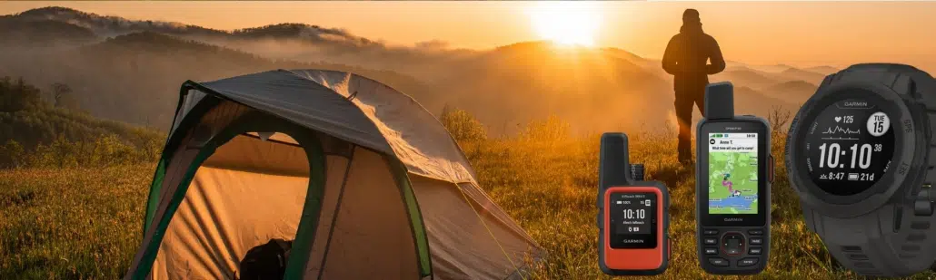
<point>17,96</point>
<point>11,154</point>
<point>64,153</point>
<point>62,96</point>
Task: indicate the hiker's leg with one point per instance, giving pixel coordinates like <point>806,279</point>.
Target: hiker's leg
<point>698,96</point>
<point>683,106</point>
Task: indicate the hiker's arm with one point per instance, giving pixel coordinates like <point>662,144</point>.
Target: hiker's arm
<point>718,62</point>
<point>669,62</point>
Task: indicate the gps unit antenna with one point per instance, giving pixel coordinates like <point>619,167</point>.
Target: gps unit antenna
<point>719,101</point>
<point>614,167</point>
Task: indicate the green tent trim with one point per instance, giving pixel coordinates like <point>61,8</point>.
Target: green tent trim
<point>308,224</point>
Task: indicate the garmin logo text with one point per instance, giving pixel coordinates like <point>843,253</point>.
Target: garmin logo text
<point>632,241</point>
<point>732,128</point>
<point>734,219</point>
<point>856,104</point>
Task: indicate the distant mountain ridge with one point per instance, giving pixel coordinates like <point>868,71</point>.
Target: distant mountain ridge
<point>136,77</point>
<point>804,75</point>
<point>129,70</point>
<point>43,33</point>
<point>746,76</point>
<point>794,91</point>
<point>109,26</point>
<point>331,39</point>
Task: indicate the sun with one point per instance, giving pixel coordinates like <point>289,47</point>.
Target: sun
<point>567,23</point>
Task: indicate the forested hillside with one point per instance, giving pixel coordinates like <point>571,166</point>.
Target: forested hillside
<point>135,77</point>
<point>53,132</point>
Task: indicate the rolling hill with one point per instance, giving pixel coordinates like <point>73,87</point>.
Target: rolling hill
<point>803,75</point>
<point>532,80</point>
<point>35,132</point>
<point>108,26</point>
<point>746,95</point>
<point>284,41</point>
<point>42,33</point>
<point>130,70</point>
<point>774,68</point>
<point>746,77</point>
<point>796,92</point>
<point>823,69</point>
<point>136,77</point>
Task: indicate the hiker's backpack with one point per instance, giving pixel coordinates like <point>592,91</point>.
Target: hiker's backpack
<point>267,261</point>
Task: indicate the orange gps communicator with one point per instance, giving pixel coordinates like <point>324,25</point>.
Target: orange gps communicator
<point>633,218</point>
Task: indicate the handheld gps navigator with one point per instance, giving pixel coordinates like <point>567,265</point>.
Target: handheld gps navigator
<point>859,155</point>
<point>633,219</point>
<point>733,173</point>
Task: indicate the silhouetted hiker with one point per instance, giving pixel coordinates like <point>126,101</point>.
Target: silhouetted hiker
<point>686,58</point>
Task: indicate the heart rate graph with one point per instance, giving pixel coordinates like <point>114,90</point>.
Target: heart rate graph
<point>838,130</point>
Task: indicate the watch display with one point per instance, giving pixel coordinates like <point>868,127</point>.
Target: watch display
<point>849,146</point>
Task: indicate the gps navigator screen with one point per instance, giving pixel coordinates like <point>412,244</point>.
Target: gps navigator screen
<point>732,159</point>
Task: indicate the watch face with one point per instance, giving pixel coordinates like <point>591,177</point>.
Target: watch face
<point>850,145</point>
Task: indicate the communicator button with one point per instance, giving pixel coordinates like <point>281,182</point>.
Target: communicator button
<point>748,262</point>
<point>718,261</point>
<point>755,251</point>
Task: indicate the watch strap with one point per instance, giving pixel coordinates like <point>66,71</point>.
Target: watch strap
<point>871,245</point>
<point>896,239</point>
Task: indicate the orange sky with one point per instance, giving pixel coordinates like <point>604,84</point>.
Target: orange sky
<point>799,33</point>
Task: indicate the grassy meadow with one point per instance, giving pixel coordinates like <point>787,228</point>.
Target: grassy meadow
<point>84,223</point>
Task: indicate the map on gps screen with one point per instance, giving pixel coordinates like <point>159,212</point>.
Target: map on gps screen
<point>732,173</point>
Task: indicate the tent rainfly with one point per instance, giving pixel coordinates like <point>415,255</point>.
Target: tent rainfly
<point>361,178</point>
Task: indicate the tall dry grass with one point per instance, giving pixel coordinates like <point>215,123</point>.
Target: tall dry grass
<point>82,223</point>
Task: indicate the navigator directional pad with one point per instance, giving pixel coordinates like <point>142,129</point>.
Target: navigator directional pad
<point>732,244</point>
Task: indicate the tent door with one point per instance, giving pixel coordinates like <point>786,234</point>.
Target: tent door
<point>311,208</point>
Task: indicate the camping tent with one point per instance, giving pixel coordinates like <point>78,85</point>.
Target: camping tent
<point>364,181</point>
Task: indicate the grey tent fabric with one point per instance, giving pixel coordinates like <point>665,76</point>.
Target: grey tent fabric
<point>308,98</point>
<point>363,126</point>
<point>302,101</point>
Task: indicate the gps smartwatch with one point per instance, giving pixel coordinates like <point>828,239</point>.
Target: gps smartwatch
<point>859,155</point>
<point>734,170</point>
<point>633,218</point>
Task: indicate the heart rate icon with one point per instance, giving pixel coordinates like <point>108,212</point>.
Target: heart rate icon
<point>838,119</point>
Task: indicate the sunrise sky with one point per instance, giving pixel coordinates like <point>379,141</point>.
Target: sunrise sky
<point>797,33</point>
